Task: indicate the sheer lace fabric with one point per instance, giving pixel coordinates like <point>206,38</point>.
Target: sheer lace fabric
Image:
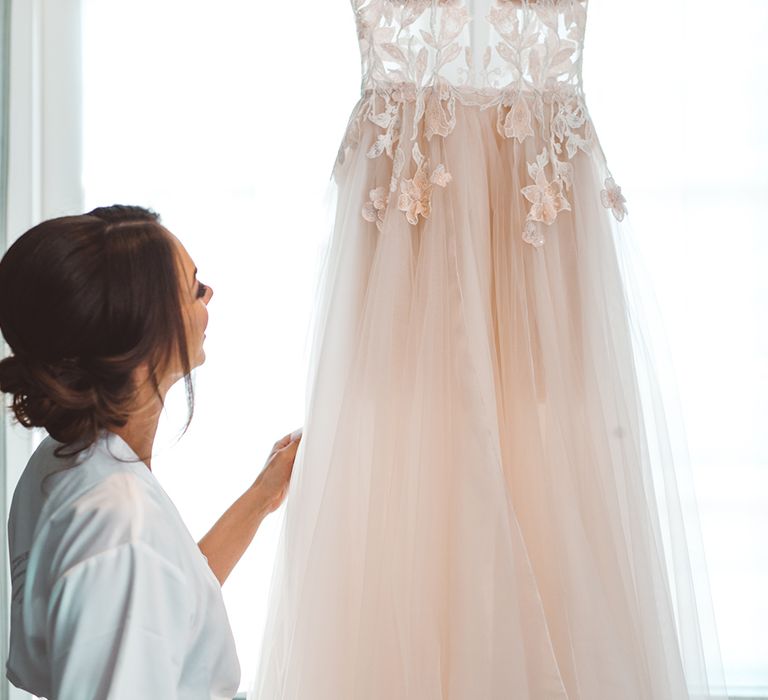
<point>421,57</point>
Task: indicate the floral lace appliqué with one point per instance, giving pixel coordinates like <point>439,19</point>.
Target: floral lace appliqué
<point>416,193</point>
<point>546,196</point>
<point>415,196</point>
<point>373,210</point>
<point>420,61</point>
<point>517,124</point>
<point>612,199</point>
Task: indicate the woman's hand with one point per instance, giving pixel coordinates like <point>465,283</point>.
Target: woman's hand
<point>226,541</point>
<point>272,482</point>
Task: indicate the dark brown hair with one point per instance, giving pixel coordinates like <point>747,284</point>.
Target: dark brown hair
<point>84,301</point>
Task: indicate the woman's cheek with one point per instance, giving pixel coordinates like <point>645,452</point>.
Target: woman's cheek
<point>203,319</point>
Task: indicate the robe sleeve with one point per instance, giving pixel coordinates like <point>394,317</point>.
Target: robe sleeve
<point>118,625</point>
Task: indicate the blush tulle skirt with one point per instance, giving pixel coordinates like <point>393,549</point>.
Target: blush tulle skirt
<point>485,503</point>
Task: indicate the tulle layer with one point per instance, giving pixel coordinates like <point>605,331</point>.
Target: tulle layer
<point>483,504</point>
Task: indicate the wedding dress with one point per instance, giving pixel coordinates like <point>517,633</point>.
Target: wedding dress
<point>485,503</point>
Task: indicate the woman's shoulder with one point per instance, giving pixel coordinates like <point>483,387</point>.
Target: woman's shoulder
<point>96,501</point>
<point>104,477</point>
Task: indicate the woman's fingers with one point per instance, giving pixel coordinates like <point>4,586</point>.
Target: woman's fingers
<point>287,439</point>
<point>276,474</point>
<point>282,442</point>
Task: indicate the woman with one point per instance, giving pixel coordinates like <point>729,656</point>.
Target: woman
<point>111,596</point>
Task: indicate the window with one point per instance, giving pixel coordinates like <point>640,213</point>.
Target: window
<point>207,116</point>
<point>682,130</point>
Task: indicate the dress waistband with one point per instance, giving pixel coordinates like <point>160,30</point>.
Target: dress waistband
<point>474,96</point>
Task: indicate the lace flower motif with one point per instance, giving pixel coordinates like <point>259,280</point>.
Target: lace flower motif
<point>518,121</point>
<point>440,176</point>
<point>439,119</point>
<point>373,210</point>
<point>547,197</point>
<point>612,198</point>
<point>531,75</point>
<point>416,192</point>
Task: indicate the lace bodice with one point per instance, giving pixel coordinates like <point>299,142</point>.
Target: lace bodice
<point>520,57</point>
<point>474,43</point>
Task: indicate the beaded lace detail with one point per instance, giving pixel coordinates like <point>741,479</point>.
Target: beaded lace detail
<point>519,57</point>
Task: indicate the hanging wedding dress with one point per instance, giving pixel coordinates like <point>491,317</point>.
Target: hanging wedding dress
<point>484,505</point>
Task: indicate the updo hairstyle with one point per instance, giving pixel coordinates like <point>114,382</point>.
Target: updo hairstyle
<point>84,301</point>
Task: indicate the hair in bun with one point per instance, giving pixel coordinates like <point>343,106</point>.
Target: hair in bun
<point>67,399</point>
<point>84,301</point>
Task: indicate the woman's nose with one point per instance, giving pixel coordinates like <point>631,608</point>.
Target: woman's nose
<point>209,295</point>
